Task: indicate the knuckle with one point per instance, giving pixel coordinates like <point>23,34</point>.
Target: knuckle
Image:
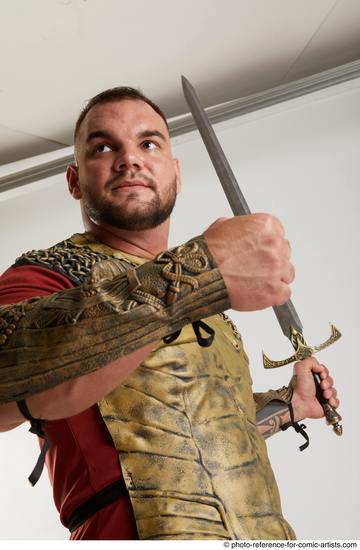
<point>272,286</point>
<point>283,296</point>
<point>274,241</point>
<point>219,221</point>
<point>287,272</point>
<point>268,222</point>
<point>271,224</point>
<point>292,276</point>
<point>277,265</point>
<point>304,364</point>
<point>298,367</point>
<point>262,217</point>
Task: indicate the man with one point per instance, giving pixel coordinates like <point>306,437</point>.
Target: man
<point>114,355</point>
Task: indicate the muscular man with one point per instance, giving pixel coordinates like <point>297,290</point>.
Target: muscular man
<point>118,351</point>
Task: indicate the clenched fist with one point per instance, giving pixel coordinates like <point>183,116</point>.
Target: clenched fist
<point>254,259</point>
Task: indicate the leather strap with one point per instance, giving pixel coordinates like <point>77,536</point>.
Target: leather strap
<point>299,428</point>
<point>36,427</point>
<point>204,342</point>
<point>103,498</point>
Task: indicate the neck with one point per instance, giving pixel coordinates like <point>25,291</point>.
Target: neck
<point>147,243</point>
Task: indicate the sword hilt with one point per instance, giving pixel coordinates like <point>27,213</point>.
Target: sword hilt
<point>303,350</point>
<point>333,418</point>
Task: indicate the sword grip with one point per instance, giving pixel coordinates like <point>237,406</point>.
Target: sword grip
<point>332,417</point>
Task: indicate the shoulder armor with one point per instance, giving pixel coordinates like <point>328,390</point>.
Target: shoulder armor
<point>67,259</point>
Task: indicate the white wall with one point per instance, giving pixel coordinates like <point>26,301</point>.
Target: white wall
<point>299,161</point>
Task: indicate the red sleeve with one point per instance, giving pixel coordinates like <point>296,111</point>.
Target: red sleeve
<point>28,281</point>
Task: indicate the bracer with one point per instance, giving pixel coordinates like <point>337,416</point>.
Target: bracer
<point>282,395</point>
<point>49,340</point>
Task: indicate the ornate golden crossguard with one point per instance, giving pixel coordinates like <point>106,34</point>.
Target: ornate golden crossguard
<point>302,349</point>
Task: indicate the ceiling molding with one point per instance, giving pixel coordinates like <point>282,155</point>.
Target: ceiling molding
<point>269,97</point>
<point>45,166</point>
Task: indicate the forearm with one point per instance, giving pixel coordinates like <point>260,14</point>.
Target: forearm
<point>57,339</point>
<point>270,419</point>
<point>76,395</point>
<point>272,409</point>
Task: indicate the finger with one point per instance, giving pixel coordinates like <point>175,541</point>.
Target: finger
<point>218,221</point>
<point>289,274</point>
<point>327,394</point>
<point>326,384</point>
<point>282,295</point>
<point>277,225</point>
<point>288,248</point>
<point>334,402</point>
<point>330,394</point>
<point>332,390</point>
<point>325,372</point>
<point>310,364</point>
<point>302,366</point>
<point>318,368</point>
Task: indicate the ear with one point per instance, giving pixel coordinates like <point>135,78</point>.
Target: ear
<point>177,175</point>
<point>72,176</point>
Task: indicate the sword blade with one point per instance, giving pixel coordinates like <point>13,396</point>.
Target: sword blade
<point>286,314</point>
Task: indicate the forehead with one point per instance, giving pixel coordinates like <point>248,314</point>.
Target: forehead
<point>125,116</point>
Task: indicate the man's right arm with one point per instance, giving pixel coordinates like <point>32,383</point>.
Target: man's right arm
<point>69,350</point>
<point>75,395</point>
<point>64,352</point>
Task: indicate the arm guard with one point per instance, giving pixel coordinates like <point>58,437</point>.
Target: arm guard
<point>49,340</point>
<point>283,395</point>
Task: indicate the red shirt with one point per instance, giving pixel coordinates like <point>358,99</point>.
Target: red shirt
<point>82,459</point>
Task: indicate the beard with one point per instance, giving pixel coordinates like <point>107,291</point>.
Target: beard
<point>128,216</point>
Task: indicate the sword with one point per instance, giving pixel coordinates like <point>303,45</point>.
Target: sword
<point>286,314</point>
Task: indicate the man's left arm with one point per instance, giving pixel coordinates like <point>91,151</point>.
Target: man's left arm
<point>272,408</point>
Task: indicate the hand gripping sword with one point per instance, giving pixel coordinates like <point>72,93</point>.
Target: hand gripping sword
<point>286,314</point>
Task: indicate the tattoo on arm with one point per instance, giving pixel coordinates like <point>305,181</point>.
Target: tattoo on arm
<point>270,419</point>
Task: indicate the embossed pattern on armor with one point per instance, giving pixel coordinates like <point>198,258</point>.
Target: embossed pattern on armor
<point>65,258</point>
<point>194,462</point>
<point>282,395</point>
<point>116,311</point>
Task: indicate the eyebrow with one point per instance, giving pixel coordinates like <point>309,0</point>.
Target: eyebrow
<point>151,133</point>
<point>107,135</point>
<point>98,134</point>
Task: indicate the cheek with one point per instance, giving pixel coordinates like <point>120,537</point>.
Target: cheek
<point>96,173</point>
<point>165,168</point>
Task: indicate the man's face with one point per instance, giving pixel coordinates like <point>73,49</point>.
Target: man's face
<point>126,175</point>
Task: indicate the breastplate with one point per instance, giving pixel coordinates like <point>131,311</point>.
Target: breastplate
<point>194,463</point>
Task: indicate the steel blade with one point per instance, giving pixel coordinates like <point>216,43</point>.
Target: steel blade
<point>286,314</point>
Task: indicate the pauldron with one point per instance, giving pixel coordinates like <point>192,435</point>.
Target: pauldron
<point>49,340</point>
<point>67,259</point>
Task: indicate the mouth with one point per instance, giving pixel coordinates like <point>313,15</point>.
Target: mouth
<point>130,184</point>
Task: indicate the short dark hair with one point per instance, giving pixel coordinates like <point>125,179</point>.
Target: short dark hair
<point>119,93</point>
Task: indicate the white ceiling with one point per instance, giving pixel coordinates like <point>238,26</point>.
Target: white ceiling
<point>57,54</point>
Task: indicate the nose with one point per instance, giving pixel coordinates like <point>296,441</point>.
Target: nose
<point>129,157</point>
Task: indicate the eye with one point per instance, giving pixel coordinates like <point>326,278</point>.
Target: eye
<point>103,148</point>
<point>149,145</point>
